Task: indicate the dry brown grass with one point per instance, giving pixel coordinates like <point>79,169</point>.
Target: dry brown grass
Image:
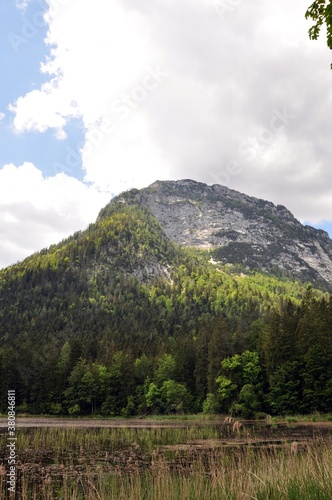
<point>165,464</point>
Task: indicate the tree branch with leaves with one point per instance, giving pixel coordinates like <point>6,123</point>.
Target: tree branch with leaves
<point>320,12</point>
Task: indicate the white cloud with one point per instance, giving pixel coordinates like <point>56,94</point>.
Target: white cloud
<point>36,212</point>
<point>42,109</point>
<point>227,75</point>
<point>2,116</point>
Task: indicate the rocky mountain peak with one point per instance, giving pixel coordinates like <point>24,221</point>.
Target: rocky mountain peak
<point>237,228</point>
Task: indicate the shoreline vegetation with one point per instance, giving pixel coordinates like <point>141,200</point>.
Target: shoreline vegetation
<point>188,457</point>
<point>198,417</point>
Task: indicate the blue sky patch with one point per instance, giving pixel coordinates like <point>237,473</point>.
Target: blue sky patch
<point>22,49</point>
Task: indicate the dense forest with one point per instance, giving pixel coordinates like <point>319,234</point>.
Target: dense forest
<point>118,320</point>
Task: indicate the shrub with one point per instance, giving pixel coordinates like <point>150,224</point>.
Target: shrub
<point>211,405</point>
<point>74,410</point>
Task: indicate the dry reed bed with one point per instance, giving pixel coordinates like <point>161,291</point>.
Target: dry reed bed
<point>206,462</point>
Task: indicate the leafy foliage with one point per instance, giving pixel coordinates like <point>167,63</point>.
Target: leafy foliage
<point>320,12</point>
<point>118,320</point>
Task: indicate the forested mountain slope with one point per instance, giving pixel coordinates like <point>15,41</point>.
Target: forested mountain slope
<point>119,319</point>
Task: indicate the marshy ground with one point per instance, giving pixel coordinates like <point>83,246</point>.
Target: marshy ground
<point>169,459</point>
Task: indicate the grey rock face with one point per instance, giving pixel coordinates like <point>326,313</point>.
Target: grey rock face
<point>239,229</point>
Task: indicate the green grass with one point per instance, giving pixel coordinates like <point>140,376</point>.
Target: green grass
<point>314,417</point>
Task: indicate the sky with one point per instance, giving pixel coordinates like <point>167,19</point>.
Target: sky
<point>100,97</point>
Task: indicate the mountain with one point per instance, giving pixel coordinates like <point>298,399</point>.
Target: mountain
<point>142,312</point>
<point>237,228</point>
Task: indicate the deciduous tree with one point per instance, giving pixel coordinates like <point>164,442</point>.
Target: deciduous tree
<point>320,12</point>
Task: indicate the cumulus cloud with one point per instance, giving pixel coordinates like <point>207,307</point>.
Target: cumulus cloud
<point>42,109</point>
<point>36,211</point>
<point>173,90</point>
